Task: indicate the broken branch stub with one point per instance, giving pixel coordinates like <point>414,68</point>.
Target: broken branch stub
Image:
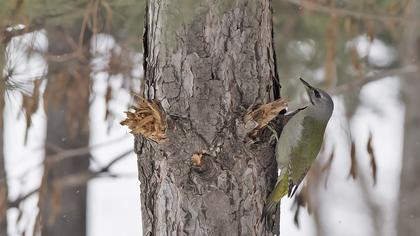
<point>146,119</point>
<point>259,118</point>
<point>197,159</point>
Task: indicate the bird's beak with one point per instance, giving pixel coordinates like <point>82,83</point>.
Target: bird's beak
<point>308,88</point>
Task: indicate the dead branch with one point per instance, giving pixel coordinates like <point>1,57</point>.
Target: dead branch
<point>68,153</point>
<point>76,179</point>
<point>313,6</point>
<point>356,84</point>
<point>15,203</point>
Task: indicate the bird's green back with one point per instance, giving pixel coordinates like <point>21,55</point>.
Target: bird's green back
<point>305,151</point>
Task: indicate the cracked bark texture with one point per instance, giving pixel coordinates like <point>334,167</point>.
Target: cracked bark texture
<point>206,69</point>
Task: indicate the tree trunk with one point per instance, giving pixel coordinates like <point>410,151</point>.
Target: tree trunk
<point>205,69</point>
<point>409,212</point>
<point>63,207</point>
<point>3,179</point>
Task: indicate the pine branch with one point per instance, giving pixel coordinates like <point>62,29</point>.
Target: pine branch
<point>358,83</point>
<point>313,6</point>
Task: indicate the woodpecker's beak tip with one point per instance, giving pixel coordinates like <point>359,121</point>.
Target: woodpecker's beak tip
<point>305,83</point>
<point>308,88</point>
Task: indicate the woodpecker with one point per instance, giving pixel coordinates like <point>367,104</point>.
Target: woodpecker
<point>299,145</point>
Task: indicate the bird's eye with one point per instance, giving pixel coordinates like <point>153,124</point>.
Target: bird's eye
<point>317,94</point>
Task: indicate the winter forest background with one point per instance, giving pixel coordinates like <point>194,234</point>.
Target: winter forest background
<point>69,70</point>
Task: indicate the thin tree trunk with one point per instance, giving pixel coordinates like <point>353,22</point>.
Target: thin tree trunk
<point>3,179</point>
<point>409,212</point>
<point>63,208</point>
<point>206,69</point>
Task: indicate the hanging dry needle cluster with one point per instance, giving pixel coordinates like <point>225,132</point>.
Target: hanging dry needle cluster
<point>262,115</point>
<point>146,119</point>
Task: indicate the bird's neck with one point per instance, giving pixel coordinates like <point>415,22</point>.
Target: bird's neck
<point>319,112</point>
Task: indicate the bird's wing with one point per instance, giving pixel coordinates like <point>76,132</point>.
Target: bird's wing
<point>289,138</point>
<point>304,154</point>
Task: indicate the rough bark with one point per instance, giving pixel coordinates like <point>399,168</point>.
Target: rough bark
<point>206,71</point>
<point>63,208</point>
<point>409,212</point>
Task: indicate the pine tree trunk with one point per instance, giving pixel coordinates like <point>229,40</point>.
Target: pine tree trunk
<point>63,208</point>
<point>206,68</point>
<point>409,212</point>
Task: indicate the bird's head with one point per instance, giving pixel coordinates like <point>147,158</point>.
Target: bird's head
<point>319,99</point>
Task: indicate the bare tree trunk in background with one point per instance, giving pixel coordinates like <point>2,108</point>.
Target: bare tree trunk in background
<point>63,208</point>
<point>3,179</point>
<point>409,212</point>
<point>205,74</point>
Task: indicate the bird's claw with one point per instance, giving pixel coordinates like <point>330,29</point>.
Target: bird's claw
<point>274,135</point>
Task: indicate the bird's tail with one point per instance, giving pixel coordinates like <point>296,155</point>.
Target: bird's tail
<point>269,209</point>
<point>269,216</point>
<point>274,198</point>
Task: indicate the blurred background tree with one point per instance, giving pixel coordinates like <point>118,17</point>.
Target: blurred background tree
<point>409,220</point>
<point>64,90</point>
<point>67,128</point>
<point>342,46</point>
<point>3,180</point>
